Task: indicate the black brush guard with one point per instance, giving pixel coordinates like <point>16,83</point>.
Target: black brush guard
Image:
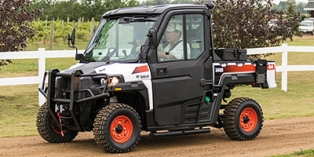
<point>55,98</point>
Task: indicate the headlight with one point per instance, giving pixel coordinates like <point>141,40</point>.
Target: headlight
<point>103,81</point>
<point>113,81</point>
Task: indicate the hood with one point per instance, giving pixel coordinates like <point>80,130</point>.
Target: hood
<point>84,67</point>
<point>130,71</point>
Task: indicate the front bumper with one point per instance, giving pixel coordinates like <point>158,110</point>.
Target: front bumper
<point>69,92</point>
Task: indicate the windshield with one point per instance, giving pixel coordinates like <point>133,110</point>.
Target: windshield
<point>118,40</point>
<point>306,23</point>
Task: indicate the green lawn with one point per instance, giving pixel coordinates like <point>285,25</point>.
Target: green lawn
<point>303,153</point>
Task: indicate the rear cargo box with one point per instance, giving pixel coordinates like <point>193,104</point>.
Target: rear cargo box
<point>232,54</point>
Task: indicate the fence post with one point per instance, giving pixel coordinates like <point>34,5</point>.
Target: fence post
<point>41,71</point>
<point>284,73</point>
<point>51,34</point>
<point>92,23</point>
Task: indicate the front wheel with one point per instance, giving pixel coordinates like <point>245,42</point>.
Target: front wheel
<point>117,128</point>
<point>49,130</point>
<point>243,119</point>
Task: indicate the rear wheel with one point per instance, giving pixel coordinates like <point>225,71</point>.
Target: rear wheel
<point>49,130</point>
<point>117,128</point>
<point>243,119</point>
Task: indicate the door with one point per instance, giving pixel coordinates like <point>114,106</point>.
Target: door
<point>179,68</point>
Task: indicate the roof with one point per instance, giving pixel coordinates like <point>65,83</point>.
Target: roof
<point>309,6</point>
<point>158,9</point>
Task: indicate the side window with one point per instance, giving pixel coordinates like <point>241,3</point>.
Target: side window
<point>195,34</point>
<point>171,46</point>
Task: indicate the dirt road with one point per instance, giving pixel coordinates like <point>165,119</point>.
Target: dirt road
<point>277,137</point>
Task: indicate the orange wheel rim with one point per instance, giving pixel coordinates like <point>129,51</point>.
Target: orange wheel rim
<point>248,119</point>
<point>121,129</point>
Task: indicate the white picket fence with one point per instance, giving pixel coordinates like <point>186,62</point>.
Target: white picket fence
<point>41,55</point>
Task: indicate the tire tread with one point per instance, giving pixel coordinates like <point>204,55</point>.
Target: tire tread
<point>229,121</point>
<point>44,128</point>
<point>101,123</point>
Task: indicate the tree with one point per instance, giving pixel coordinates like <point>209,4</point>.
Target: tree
<point>96,8</point>
<point>14,25</point>
<point>58,9</point>
<point>73,10</point>
<point>43,5</point>
<point>300,7</point>
<point>244,24</point>
<point>65,9</point>
<point>290,12</point>
<point>282,5</point>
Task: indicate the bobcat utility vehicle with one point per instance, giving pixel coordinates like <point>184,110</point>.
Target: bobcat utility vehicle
<point>117,92</point>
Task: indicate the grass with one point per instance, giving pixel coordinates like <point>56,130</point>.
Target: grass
<point>29,67</point>
<point>18,109</point>
<point>19,104</point>
<point>302,153</point>
<point>306,40</point>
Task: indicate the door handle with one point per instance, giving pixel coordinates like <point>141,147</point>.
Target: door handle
<point>162,71</point>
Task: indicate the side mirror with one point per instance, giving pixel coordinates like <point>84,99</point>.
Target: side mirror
<point>71,42</point>
<point>152,35</point>
<point>73,36</point>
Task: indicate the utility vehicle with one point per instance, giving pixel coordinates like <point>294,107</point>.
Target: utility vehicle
<point>117,92</point>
